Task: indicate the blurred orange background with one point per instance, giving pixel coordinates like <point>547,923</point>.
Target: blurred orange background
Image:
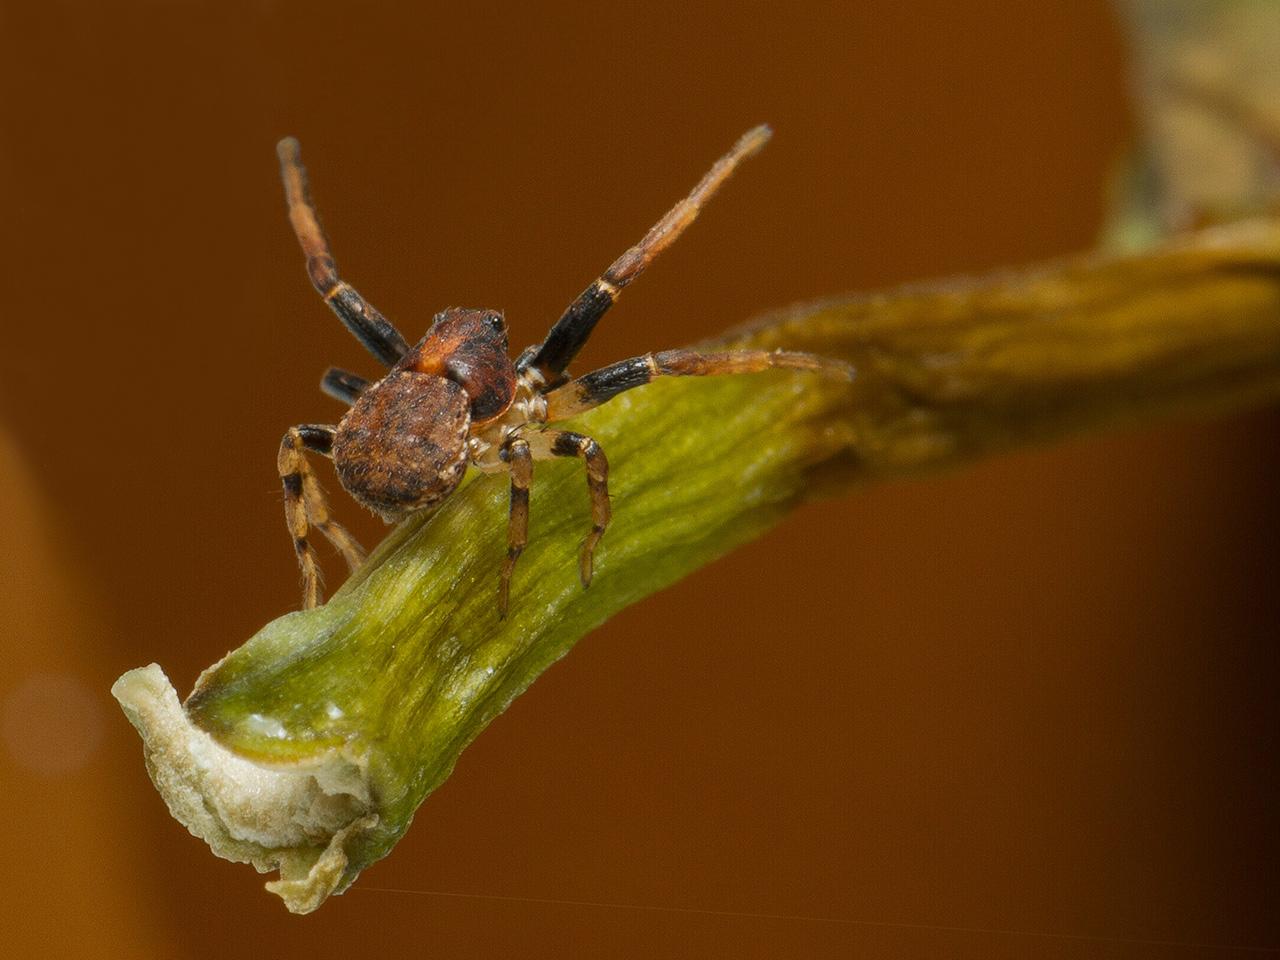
<point>1022,710</point>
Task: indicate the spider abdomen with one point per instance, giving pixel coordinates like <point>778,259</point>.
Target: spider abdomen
<point>403,446</point>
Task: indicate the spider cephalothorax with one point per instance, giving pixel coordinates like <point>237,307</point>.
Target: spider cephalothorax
<point>456,399</point>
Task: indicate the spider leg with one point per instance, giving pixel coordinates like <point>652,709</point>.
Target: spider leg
<point>370,327</point>
<point>520,463</point>
<point>343,385</point>
<point>570,332</point>
<point>304,506</point>
<point>600,386</point>
<point>563,443</point>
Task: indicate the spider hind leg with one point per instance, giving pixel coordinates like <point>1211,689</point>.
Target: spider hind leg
<point>305,506</point>
<point>564,443</point>
<point>520,463</point>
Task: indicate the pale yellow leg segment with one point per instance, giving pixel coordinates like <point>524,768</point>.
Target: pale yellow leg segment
<point>318,513</point>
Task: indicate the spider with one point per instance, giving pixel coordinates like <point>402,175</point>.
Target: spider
<point>455,398</point>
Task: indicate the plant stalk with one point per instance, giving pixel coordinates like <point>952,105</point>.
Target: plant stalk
<point>309,748</point>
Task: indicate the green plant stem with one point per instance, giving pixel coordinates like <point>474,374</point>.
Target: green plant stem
<point>408,661</point>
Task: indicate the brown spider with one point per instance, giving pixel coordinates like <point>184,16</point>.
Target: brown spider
<point>456,399</point>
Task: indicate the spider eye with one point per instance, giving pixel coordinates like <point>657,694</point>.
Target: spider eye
<point>495,322</point>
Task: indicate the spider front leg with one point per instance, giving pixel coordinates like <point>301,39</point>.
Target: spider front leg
<point>604,384</point>
<point>563,443</point>
<point>548,361</point>
<point>305,505</point>
<point>370,327</point>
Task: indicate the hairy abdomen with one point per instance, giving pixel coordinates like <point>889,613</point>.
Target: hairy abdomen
<point>403,447</point>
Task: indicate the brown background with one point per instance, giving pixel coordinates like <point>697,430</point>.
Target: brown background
<point>1017,711</point>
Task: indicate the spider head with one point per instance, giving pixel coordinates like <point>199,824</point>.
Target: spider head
<point>469,347</point>
<point>469,325</point>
